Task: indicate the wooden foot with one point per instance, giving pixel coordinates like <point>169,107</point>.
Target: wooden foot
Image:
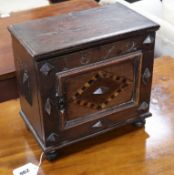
<point>140,123</point>
<point>52,155</point>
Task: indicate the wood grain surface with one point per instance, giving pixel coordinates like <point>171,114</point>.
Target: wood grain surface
<point>6,56</point>
<point>127,150</point>
<point>7,68</point>
<point>53,36</point>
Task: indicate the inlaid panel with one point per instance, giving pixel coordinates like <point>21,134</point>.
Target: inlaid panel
<point>95,89</point>
<point>100,90</point>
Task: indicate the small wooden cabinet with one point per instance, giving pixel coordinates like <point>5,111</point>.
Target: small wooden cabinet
<point>83,73</point>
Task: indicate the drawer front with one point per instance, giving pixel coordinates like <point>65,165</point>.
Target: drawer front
<point>95,91</point>
<point>96,54</point>
<point>98,126</point>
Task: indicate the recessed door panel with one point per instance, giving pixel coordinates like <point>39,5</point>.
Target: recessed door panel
<point>90,91</point>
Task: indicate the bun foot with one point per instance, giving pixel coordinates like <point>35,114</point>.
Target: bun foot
<point>52,155</point>
<point>139,123</point>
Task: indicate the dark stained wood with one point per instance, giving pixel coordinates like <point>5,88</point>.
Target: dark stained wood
<point>6,55</point>
<point>96,54</point>
<point>123,151</point>
<point>109,75</point>
<point>64,101</point>
<point>7,69</point>
<point>69,32</point>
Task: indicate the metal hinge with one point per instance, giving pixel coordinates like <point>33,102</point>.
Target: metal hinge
<point>60,101</point>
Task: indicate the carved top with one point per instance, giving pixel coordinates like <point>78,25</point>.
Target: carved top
<point>72,31</point>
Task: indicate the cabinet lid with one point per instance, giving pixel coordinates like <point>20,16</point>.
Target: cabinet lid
<point>56,35</point>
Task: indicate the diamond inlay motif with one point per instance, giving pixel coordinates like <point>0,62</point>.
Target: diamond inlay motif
<point>146,76</point>
<point>149,39</point>
<point>100,90</point>
<point>97,125</point>
<point>52,137</point>
<point>46,68</point>
<point>25,77</point>
<point>48,106</point>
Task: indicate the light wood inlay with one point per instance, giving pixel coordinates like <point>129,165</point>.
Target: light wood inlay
<point>146,151</point>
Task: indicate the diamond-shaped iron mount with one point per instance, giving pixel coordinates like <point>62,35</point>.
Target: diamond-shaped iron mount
<point>143,107</point>
<point>149,39</point>
<point>146,76</point>
<point>101,91</point>
<point>26,87</point>
<point>48,106</point>
<point>25,77</point>
<point>97,125</point>
<point>46,68</point>
<point>52,137</point>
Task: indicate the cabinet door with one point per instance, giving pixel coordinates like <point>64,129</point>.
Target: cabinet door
<point>90,92</point>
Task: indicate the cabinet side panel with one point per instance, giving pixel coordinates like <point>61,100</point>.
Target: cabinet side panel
<point>27,86</point>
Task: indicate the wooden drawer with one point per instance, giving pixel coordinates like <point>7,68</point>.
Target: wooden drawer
<point>96,54</point>
<point>94,90</point>
<point>111,120</point>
